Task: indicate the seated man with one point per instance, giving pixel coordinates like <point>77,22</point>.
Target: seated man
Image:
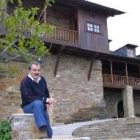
<point>35,97</point>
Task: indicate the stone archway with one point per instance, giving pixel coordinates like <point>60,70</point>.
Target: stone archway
<point>120,109</point>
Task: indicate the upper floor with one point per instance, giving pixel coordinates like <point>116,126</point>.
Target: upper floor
<point>78,23</point>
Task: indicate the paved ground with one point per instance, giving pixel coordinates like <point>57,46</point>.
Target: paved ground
<point>66,130</point>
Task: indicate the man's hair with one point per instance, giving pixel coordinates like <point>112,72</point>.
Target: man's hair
<point>31,63</point>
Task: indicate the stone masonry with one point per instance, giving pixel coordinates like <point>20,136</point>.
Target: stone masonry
<point>78,98</point>
<point>24,127</point>
<point>128,101</point>
<point>112,98</point>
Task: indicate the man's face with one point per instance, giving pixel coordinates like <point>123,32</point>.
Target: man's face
<point>35,71</point>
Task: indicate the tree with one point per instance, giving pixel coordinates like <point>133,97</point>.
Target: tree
<point>22,32</point>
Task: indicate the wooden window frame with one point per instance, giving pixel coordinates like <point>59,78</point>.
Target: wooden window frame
<point>93,27</point>
<point>130,54</point>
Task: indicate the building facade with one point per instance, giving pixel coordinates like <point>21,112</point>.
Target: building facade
<point>88,80</point>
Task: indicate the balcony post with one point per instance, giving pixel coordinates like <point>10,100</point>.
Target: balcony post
<point>126,70</point>
<point>111,70</point>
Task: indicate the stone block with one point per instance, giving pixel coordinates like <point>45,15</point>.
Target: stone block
<point>23,127</point>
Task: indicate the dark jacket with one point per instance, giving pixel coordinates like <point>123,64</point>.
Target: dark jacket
<point>31,91</point>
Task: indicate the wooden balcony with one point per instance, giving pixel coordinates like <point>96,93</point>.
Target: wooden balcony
<point>120,81</point>
<point>61,35</point>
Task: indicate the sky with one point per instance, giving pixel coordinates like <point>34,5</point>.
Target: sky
<point>123,29</point>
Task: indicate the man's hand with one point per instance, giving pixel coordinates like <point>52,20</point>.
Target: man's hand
<point>51,101</point>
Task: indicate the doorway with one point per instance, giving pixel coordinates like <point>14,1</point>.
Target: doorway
<point>120,109</point>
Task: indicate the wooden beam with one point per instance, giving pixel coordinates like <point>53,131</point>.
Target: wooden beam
<point>58,58</point>
<point>45,17</point>
<point>91,64</point>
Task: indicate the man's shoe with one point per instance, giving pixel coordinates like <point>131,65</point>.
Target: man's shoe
<point>42,128</point>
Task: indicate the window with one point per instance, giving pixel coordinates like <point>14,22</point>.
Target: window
<point>90,27</point>
<point>130,52</point>
<point>95,28</point>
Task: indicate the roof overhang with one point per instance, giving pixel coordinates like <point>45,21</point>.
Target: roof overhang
<point>118,58</point>
<point>93,7</point>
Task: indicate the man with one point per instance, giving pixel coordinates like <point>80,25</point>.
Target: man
<point>35,97</point>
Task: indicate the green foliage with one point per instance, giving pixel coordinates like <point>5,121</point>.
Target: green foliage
<point>5,130</point>
<point>23,33</point>
<point>2,4</point>
<point>13,69</point>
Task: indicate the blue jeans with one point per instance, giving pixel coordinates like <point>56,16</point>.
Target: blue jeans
<point>40,115</point>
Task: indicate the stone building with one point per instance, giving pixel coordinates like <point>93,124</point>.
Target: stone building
<point>88,80</point>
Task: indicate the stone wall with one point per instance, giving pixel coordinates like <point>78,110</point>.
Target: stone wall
<point>58,16</point>
<point>137,104</point>
<point>9,89</point>
<point>78,98</point>
<point>111,129</point>
<point>112,97</point>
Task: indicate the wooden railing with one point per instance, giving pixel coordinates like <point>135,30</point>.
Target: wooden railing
<point>120,80</point>
<point>134,81</point>
<point>63,35</point>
